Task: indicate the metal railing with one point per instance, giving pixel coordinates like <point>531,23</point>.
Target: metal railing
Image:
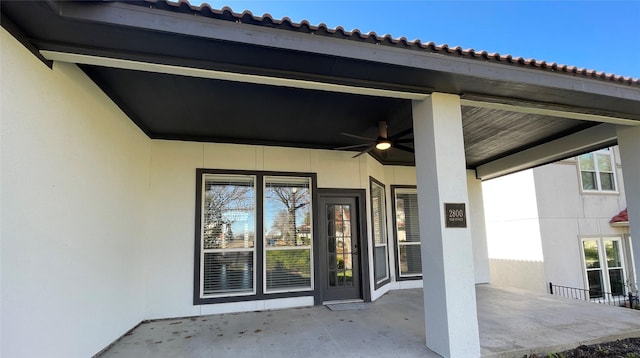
<point>629,300</point>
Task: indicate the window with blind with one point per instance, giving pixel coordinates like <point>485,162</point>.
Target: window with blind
<point>407,232</point>
<point>254,237</point>
<point>379,231</point>
<point>227,235</point>
<point>597,171</point>
<point>288,234</point>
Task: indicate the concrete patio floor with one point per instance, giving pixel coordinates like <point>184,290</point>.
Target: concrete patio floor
<point>512,323</point>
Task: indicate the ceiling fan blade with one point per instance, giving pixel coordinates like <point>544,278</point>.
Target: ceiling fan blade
<point>402,133</point>
<point>403,140</point>
<point>357,137</point>
<point>405,148</point>
<point>352,146</point>
<point>364,151</point>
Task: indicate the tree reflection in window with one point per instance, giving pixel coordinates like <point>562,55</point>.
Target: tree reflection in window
<point>229,219</point>
<point>288,233</point>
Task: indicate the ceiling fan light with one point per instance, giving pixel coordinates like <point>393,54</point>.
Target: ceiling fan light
<point>383,145</point>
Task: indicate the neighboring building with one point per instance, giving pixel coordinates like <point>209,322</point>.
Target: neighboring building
<point>162,160</point>
<point>563,223</point>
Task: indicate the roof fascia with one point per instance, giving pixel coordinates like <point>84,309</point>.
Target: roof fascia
<point>227,76</point>
<point>161,20</point>
<point>17,33</point>
<point>593,138</point>
<point>473,101</point>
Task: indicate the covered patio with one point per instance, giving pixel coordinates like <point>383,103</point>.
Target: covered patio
<point>123,121</point>
<point>512,323</point>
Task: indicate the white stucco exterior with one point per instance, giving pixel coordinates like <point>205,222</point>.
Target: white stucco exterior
<point>536,219</point>
<point>75,183</point>
<point>98,220</point>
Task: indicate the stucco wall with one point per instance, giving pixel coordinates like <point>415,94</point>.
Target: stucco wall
<point>513,231</point>
<point>535,220</point>
<point>523,274</point>
<point>559,194</point>
<point>567,214</point>
<point>74,186</point>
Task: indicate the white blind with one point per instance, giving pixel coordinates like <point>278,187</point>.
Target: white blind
<point>407,215</point>
<point>377,208</point>
<point>228,272</point>
<point>410,261</point>
<point>408,232</point>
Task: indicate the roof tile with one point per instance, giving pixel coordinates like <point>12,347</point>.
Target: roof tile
<point>622,216</point>
<point>266,20</point>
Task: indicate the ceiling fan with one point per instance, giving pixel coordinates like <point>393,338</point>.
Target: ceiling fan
<point>383,142</point>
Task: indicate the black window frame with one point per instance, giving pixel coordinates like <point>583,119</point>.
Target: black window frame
<point>396,249</point>
<point>373,181</point>
<point>259,237</point>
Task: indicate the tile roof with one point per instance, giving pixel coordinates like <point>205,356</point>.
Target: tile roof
<point>622,217</point>
<point>285,23</point>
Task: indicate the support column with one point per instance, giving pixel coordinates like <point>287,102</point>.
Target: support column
<point>629,144</point>
<point>478,229</point>
<point>451,318</point>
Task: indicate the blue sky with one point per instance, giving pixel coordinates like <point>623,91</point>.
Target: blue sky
<point>599,35</point>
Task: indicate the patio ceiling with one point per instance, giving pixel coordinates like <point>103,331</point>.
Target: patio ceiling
<point>189,73</point>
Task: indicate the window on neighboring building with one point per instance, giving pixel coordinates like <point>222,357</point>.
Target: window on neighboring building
<point>407,232</point>
<point>604,266</point>
<point>597,171</point>
<point>255,235</point>
<point>379,230</point>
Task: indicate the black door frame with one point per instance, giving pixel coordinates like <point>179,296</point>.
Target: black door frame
<point>360,196</point>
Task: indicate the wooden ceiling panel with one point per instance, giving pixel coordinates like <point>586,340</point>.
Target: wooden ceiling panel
<point>491,133</point>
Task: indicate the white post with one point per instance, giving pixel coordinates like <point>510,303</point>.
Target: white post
<point>478,229</point>
<point>447,257</point>
<point>629,144</point>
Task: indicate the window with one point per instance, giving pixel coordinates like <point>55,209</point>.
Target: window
<point>407,232</point>
<point>228,233</point>
<point>604,266</point>
<point>254,237</point>
<point>597,171</point>
<point>379,230</point>
<point>287,225</point>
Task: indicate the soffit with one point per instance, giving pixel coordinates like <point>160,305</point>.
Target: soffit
<point>178,107</point>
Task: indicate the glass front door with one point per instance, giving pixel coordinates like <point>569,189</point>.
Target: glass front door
<point>339,248</point>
